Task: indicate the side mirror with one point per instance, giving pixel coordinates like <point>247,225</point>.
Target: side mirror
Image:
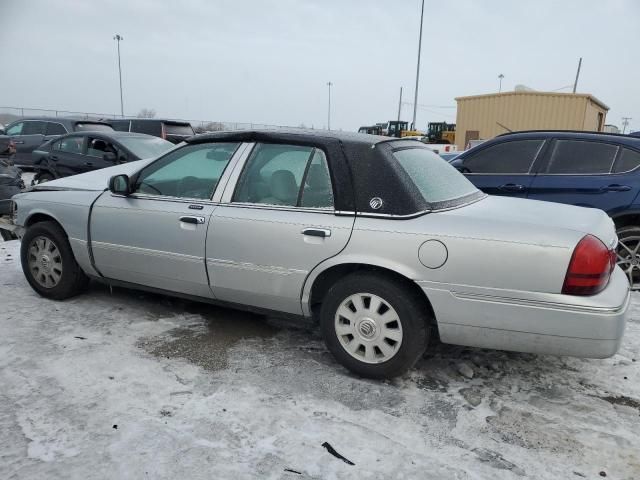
<point>109,157</point>
<point>119,184</point>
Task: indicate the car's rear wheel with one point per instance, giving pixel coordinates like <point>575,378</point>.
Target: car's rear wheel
<point>48,262</point>
<point>374,326</point>
<point>628,253</point>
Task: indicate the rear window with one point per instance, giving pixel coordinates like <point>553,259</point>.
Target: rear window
<point>145,147</point>
<point>150,127</point>
<point>581,157</point>
<point>54,128</point>
<point>628,160</point>
<point>436,179</point>
<point>92,127</point>
<point>173,129</point>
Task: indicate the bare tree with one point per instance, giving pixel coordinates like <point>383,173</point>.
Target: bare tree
<point>147,113</point>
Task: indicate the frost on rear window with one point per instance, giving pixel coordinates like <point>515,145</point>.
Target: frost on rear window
<point>435,178</point>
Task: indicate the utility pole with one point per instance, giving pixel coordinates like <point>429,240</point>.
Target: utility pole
<point>575,84</point>
<point>329,108</point>
<point>400,104</point>
<point>118,38</point>
<point>500,77</point>
<point>625,123</point>
<point>415,96</point>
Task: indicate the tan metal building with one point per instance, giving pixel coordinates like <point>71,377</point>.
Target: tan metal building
<point>485,116</point>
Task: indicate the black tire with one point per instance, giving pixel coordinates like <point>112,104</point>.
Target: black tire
<point>72,279</point>
<point>6,235</point>
<point>629,237</point>
<point>413,317</point>
<point>43,177</point>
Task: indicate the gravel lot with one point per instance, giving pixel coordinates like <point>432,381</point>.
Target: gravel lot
<point>121,384</point>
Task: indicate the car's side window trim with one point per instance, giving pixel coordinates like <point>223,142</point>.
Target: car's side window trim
<point>620,152</point>
<point>545,165</point>
<point>531,171</point>
<point>227,198</point>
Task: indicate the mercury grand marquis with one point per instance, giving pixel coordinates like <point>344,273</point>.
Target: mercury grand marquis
<point>379,239</point>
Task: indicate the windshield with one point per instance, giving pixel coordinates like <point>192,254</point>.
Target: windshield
<point>436,179</point>
<point>145,147</point>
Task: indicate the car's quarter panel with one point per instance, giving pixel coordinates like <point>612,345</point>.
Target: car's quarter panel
<point>259,256</point>
<point>496,264</point>
<point>143,240</point>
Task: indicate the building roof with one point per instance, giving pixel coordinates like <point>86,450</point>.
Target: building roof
<point>534,93</point>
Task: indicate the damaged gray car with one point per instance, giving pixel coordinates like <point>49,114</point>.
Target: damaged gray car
<point>379,239</point>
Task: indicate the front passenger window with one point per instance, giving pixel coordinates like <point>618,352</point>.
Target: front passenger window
<point>189,172</point>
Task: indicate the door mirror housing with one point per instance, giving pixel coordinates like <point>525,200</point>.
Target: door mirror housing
<point>120,185</point>
<point>109,157</point>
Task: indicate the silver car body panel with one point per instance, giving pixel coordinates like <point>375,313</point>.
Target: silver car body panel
<point>492,270</point>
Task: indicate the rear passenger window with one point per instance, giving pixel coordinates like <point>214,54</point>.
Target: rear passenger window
<point>627,161</point>
<point>509,157</point>
<point>69,145</point>
<point>55,129</point>
<point>150,127</point>
<point>580,157</point>
<point>33,127</point>
<point>286,175</point>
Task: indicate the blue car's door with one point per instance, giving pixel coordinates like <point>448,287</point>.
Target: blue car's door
<point>503,168</point>
<point>588,173</point>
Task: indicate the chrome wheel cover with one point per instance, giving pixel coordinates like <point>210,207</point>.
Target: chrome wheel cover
<point>628,253</point>
<point>45,262</point>
<point>368,328</point>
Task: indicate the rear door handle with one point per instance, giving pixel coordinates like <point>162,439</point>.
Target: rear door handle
<point>18,142</point>
<point>54,157</point>
<point>616,188</point>
<point>192,219</point>
<point>88,164</point>
<point>511,187</point>
<point>316,232</point>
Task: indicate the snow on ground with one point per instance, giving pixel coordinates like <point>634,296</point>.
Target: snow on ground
<point>129,385</point>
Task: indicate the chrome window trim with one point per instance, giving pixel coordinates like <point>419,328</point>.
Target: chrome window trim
<point>234,172</point>
<point>289,208</point>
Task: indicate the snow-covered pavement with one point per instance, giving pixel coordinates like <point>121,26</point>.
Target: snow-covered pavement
<point>126,385</point>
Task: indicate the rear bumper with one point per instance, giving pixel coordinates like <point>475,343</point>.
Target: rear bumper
<point>590,327</point>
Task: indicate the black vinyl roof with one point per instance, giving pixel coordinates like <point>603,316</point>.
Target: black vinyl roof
<point>286,134</point>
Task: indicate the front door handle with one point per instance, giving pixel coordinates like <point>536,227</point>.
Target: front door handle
<point>54,157</point>
<point>18,142</point>
<point>192,219</point>
<point>616,188</point>
<point>89,164</point>
<point>511,187</point>
<point>316,232</point>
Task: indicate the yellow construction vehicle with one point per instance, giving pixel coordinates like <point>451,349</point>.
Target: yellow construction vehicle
<point>441,132</point>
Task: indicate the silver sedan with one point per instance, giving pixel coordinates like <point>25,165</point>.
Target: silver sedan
<point>379,239</point>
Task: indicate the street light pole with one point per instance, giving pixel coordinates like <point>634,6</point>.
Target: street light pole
<point>415,95</point>
<point>500,77</point>
<point>625,123</point>
<point>329,107</point>
<point>118,38</point>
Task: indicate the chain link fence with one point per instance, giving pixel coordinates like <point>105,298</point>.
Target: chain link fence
<point>10,114</point>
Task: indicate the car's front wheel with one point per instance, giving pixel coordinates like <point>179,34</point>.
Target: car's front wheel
<point>48,262</point>
<point>628,253</point>
<point>374,326</point>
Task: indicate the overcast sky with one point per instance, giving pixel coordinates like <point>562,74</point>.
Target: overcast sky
<point>269,61</point>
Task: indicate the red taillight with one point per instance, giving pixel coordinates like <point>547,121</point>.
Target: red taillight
<point>590,267</point>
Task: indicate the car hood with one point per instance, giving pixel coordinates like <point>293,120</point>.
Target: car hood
<point>96,180</point>
<point>534,221</point>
